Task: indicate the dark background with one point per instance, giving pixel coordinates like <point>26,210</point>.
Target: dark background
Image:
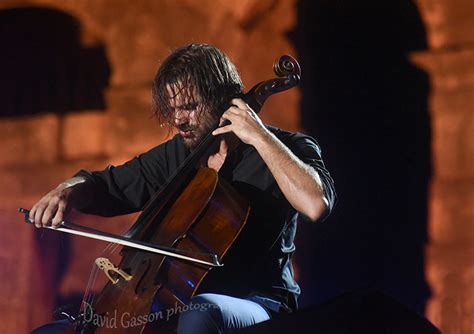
<point>367,106</point>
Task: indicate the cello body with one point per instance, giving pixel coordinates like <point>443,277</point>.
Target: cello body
<point>206,217</point>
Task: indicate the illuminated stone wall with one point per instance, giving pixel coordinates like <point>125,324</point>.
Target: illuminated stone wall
<point>450,255</point>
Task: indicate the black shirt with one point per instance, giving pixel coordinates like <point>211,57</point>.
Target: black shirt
<point>258,263</point>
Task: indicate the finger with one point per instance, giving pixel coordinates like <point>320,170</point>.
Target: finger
<point>229,116</point>
<point>241,104</point>
<point>233,111</point>
<point>223,145</point>
<point>59,216</point>
<point>49,212</point>
<point>31,214</point>
<point>39,214</point>
<point>224,129</point>
<point>241,114</point>
<point>222,121</point>
<point>235,114</point>
<point>239,111</point>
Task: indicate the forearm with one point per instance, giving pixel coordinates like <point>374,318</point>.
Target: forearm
<point>97,193</point>
<point>299,182</point>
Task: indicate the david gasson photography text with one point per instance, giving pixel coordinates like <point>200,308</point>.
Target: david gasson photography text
<point>126,319</point>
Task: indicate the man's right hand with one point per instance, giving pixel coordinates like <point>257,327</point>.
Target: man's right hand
<point>50,210</point>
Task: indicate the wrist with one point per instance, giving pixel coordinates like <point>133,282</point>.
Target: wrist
<point>262,139</point>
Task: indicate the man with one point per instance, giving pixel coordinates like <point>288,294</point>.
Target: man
<point>281,174</point>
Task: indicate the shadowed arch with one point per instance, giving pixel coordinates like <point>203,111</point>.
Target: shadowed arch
<point>44,66</point>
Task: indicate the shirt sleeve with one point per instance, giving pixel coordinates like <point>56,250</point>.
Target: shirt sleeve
<point>307,149</point>
<point>126,188</point>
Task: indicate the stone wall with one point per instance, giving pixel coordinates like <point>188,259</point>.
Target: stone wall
<point>450,255</point>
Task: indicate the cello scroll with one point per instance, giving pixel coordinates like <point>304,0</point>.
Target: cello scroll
<point>288,71</point>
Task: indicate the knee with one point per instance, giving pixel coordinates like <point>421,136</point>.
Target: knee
<point>202,315</point>
<point>56,327</point>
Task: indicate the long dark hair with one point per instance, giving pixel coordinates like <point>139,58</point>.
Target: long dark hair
<point>195,68</point>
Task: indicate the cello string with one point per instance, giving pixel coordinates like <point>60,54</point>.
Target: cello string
<point>112,247</point>
<point>89,296</point>
<point>108,250</point>
<point>91,293</point>
<point>87,293</point>
<point>86,296</point>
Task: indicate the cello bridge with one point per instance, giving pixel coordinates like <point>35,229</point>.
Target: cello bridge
<point>107,266</point>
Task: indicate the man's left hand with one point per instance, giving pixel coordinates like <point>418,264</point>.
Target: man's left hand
<point>245,123</point>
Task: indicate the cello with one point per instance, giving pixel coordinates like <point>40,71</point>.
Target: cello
<point>191,242</point>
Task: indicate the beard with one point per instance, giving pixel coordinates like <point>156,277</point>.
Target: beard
<point>193,134</point>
